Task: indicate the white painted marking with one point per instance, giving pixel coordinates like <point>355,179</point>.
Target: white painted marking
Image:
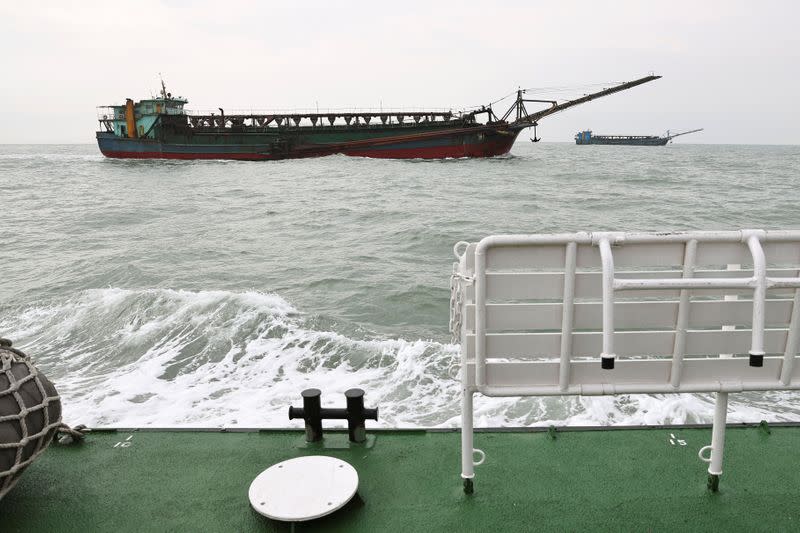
<point>124,443</point>
<point>673,440</point>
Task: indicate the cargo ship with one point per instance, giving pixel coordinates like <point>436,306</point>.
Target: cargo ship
<point>162,128</point>
<point>586,137</point>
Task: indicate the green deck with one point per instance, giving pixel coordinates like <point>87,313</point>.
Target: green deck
<point>620,480</point>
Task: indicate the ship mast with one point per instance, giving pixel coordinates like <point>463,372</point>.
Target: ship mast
<point>163,87</point>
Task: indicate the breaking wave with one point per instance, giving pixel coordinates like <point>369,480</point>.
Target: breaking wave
<point>168,358</point>
<point>214,358</point>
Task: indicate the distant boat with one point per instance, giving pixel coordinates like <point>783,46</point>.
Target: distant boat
<point>161,128</point>
<point>586,137</point>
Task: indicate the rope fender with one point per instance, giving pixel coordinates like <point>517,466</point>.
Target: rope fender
<point>30,414</point>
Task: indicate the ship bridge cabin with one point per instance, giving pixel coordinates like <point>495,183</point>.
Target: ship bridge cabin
<point>137,120</point>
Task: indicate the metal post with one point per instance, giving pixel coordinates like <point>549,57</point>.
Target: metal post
<point>568,315</point>
<point>357,414</point>
<point>311,412</point>
<point>480,313</point>
<point>759,296</point>
<point>467,466</point>
<point>792,341</point>
<point>607,260</point>
<point>682,321</point>
<point>717,440</point>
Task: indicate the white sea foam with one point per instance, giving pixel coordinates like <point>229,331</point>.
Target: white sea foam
<point>52,157</point>
<point>165,358</point>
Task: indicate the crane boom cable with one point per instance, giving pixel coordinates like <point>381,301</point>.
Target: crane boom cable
<point>557,108</point>
<point>555,89</point>
<point>672,136</point>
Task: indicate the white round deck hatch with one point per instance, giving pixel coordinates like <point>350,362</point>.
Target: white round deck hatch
<point>303,488</point>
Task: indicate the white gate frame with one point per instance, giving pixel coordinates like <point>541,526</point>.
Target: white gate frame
<point>474,373</point>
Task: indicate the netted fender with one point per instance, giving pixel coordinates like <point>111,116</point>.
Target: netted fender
<point>30,414</point>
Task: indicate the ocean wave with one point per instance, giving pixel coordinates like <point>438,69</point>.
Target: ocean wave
<point>17,158</point>
<point>160,357</point>
<point>171,358</point>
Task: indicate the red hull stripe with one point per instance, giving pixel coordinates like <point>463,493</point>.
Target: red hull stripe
<point>487,149</point>
<point>176,155</point>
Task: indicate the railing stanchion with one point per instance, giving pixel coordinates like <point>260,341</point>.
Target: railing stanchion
<point>607,259</point>
<point>682,322</point>
<point>467,444</point>
<point>717,440</point>
<point>759,295</point>
<point>792,341</point>
<point>567,315</point>
<point>480,313</point>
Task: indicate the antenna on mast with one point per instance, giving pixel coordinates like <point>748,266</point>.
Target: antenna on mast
<point>163,87</point>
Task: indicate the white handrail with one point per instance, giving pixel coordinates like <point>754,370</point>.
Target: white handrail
<point>759,294</point>
<point>567,314</point>
<point>682,321</point>
<point>489,372</point>
<point>607,258</point>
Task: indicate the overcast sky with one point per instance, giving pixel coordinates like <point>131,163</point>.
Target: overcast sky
<point>732,68</point>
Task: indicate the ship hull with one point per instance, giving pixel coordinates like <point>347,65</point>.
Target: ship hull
<point>484,141</point>
<point>649,141</point>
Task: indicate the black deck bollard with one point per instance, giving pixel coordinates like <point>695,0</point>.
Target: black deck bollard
<point>310,412</point>
<point>357,414</point>
<point>313,414</point>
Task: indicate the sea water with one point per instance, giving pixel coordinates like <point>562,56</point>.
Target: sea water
<point>210,293</point>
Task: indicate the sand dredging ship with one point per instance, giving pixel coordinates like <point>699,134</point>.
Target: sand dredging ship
<point>162,128</point>
<point>586,137</point>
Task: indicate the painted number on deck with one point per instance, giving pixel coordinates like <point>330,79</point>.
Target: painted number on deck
<point>675,441</point>
<point>124,443</point>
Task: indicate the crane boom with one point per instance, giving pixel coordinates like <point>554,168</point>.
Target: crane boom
<point>672,136</point>
<point>528,119</point>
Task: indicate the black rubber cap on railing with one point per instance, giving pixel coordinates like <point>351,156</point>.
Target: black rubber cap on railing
<point>607,363</point>
<point>757,360</point>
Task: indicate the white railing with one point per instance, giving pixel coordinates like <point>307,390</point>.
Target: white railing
<point>628,313</point>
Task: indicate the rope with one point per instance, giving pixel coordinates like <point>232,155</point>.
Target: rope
<point>457,288</point>
<point>67,435</point>
<point>565,88</point>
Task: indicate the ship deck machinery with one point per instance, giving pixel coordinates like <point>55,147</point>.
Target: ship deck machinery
<point>162,128</point>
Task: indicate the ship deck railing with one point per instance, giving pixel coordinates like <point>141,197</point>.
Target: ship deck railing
<point>284,127</point>
<point>287,118</point>
<point>323,111</point>
<point>363,118</point>
<point>625,137</point>
<point>609,313</point>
